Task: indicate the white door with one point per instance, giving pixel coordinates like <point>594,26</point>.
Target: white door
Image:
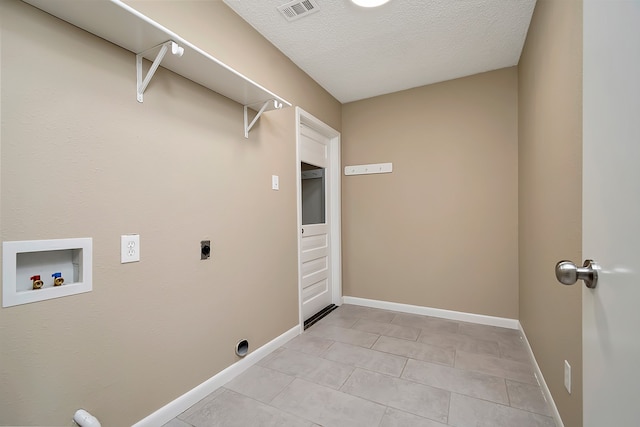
<point>315,255</point>
<point>611,212</point>
<point>319,216</point>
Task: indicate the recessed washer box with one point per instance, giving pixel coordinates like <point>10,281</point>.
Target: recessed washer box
<point>24,259</point>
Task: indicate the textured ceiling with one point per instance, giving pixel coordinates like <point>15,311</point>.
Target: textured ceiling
<point>356,53</point>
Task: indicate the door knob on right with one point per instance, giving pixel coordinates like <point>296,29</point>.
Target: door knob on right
<point>567,273</point>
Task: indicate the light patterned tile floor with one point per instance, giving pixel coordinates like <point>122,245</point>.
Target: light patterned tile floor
<point>376,368</point>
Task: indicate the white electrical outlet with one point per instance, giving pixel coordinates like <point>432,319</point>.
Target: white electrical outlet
<point>567,376</point>
<point>129,248</point>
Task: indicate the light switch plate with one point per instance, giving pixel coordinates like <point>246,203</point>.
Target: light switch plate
<point>567,376</point>
<point>129,248</point>
<point>275,182</point>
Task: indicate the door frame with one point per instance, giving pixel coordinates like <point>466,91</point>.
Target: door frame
<point>333,178</point>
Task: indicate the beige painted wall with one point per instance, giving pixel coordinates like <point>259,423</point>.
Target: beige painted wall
<point>81,158</point>
<point>441,230</point>
<point>550,188</point>
<point>446,220</point>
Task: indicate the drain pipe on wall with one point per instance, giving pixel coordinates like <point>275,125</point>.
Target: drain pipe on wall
<point>85,419</point>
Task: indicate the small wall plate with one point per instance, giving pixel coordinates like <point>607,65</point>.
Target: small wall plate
<point>205,249</point>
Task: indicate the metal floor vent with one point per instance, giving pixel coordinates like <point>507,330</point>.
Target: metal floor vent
<point>319,315</point>
<point>298,9</point>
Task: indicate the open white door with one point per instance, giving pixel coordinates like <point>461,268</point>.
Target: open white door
<point>320,273</point>
<point>611,212</point>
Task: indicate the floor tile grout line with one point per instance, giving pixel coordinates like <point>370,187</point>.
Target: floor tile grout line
<point>404,367</point>
<point>339,390</point>
<point>395,407</point>
<point>508,394</point>
<point>324,352</point>
<point>467,370</point>
<point>420,342</point>
<point>293,377</point>
<point>455,358</point>
<point>456,392</point>
<point>345,381</point>
<point>368,369</point>
<point>435,318</point>
<point>409,380</point>
<point>449,410</point>
<point>383,415</point>
<point>387,324</point>
<point>260,402</point>
<point>284,410</point>
<point>501,404</point>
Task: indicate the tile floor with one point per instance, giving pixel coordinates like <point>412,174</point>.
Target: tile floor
<point>375,368</point>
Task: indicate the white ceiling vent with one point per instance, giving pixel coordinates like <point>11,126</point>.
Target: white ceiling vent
<point>298,9</point>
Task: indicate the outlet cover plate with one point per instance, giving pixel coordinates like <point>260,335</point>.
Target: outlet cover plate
<point>567,376</point>
<point>129,248</point>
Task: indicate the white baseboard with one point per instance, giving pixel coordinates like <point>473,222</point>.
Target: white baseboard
<point>543,384</point>
<point>435,312</point>
<point>193,396</point>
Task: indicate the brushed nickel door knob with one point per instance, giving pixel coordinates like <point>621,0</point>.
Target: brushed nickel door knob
<point>567,273</point>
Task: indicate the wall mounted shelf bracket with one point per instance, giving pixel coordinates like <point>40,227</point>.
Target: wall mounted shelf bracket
<point>247,126</point>
<point>164,48</point>
<point>124,26</point>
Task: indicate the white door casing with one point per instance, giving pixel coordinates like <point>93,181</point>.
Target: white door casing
<point>611,212</point>
<point>319,247</point>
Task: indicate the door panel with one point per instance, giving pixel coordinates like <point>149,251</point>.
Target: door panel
<point>311,292</point>
<point>312,266</point>
<point>314,246</point>
<point>314,260</point>
<point>611,212</point>
<point>315,147</point>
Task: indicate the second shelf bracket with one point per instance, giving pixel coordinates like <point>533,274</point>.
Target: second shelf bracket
<point>247,126</point>
<point>164,48</point>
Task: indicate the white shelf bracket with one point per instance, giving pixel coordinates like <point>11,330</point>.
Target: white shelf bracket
<point>247,126</point>
<point>164,47</point>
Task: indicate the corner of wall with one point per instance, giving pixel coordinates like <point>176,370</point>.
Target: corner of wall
<point>550,195</point>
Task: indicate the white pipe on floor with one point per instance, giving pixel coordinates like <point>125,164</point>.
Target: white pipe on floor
<point>85,419</point>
